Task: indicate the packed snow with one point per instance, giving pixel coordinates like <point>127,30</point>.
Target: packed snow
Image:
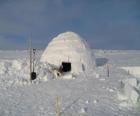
<point>86,94</point>
<point>98,83</point>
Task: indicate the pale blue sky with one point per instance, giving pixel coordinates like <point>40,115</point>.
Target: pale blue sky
<point>105,24</point>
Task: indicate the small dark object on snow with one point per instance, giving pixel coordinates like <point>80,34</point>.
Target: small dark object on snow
<point>33,75</point>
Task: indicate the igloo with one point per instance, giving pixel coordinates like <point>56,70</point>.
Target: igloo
<point>69,51</point>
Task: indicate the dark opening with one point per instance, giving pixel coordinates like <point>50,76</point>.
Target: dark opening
<point>66,66</point>
<point>33,76</point>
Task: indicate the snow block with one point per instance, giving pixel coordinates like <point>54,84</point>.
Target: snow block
<point>130,91</point>
<point>131,94</point>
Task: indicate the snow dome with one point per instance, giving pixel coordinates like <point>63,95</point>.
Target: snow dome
<point>70,51</point>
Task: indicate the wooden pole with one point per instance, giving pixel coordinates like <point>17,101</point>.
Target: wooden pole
<point>58,106</point>
<point>34,50</point>
<point>30,53</point>
<point>108,71</point>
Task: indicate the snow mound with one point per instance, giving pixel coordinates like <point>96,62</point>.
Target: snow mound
<point>69,47</point>
<point>130,92</point>
<point>134,70</point>
<point>16,72</point>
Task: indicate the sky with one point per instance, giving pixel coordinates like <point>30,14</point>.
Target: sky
<point>105,24</point>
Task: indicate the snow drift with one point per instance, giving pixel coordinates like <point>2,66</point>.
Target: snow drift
<point>79,97</point>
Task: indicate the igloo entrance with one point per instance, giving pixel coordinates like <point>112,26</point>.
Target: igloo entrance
<point>66,67</point>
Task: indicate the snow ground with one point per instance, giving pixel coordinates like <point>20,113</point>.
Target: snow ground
<point>87,95</point>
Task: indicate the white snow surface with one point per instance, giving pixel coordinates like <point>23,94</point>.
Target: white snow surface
<point>69,47</point>
<point>86,95</point>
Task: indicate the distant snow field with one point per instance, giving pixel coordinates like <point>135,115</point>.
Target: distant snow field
<point>94,94</point>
